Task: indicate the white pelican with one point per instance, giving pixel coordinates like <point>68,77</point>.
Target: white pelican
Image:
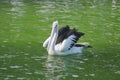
<point>63,42</point>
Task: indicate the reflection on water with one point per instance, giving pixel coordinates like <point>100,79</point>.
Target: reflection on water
<point>56,67</point>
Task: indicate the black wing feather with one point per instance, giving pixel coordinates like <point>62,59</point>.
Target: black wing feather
<point>65,32</point>
<point>62,34</point>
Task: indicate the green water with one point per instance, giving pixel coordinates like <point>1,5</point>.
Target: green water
<point>25,24</point>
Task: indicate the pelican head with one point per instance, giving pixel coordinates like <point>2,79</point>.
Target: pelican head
<point>55,24</point>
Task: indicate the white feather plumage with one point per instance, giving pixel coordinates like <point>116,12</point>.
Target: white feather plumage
<point>62,48</point>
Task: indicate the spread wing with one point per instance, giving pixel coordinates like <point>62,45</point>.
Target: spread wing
<point>67,39</point>
<point>62,34</point>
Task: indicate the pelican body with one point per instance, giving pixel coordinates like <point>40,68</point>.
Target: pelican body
<point>63,41</point>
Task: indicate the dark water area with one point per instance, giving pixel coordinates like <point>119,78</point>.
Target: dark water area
<point>25,24</point>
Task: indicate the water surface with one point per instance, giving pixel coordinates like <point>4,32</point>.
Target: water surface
<point>24,25</point>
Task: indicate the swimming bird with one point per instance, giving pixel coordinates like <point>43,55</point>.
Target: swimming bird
<point>64,41</point>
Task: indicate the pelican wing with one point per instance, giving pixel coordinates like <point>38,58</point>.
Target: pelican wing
<point>62,34</point>
<point>45,44</point>
<point>69,39</point>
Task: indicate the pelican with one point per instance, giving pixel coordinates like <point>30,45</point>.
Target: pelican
<point>64,41</point>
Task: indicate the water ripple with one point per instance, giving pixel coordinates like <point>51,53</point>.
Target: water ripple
<point>16,67</point>
<point>4,68</point>
<point>8,56</point>
<point>117,72</point>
